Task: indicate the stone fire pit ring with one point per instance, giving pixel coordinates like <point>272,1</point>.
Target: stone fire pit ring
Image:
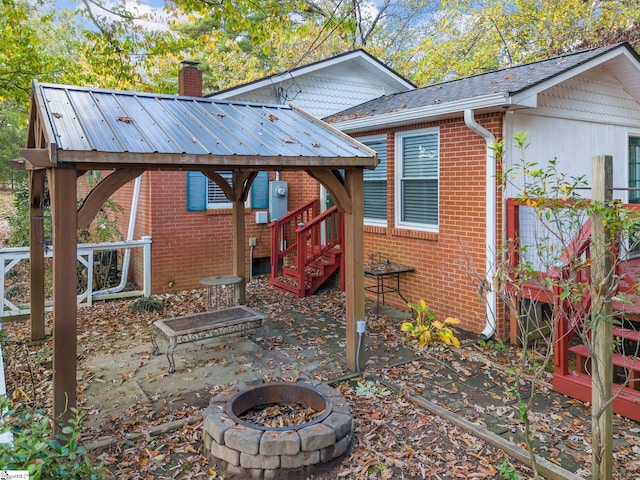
<point>246,450</point>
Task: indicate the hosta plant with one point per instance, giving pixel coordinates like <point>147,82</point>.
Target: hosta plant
<point>426,329</point>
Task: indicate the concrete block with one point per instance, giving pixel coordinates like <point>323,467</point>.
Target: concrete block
<point>243,439</point>
<point>315,437</point>
<point>280,443</point>
<point>340,422</point>
<point>259,461</point>
<point>216,425</point>
<point>300,460</point>
<point>232,457</point>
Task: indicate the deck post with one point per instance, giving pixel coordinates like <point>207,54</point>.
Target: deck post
<point>36,252</point>
<point>62,185</point>
<point>354,262</point>
<point>602,361</point>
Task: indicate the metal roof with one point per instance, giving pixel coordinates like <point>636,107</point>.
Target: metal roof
<point>501,83</point>
<point>97,120</point>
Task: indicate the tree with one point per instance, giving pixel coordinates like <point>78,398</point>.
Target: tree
<point>469,38</point>
<point>580,286</point>
<point>12,134</point>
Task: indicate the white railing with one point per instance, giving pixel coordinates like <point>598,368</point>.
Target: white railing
<point>10,257</point>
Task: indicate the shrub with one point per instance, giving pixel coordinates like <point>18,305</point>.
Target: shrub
<point>143,304</point>
<point>34,449</point>
<point>426,328</point>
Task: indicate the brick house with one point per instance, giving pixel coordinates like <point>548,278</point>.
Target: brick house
<point>184,208</point>
<point>432,203</point>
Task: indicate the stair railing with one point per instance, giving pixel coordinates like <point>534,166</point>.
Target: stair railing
<point>309,238</point>
<point>283,234</point>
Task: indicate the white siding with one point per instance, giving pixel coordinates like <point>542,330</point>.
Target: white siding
<point>586,116</point>
<point>318,95</point>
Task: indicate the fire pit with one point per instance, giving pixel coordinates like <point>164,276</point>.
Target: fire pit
<point>262,451</point>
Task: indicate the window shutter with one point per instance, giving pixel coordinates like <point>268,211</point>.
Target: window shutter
<point>260,191</point>
<point>196,192</point>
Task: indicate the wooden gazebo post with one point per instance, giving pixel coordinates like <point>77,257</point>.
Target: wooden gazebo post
<point>354,261</point>
<point>36,252</point>
<point>62,187</point>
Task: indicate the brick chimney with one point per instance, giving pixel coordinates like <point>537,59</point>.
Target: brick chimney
<point>190,79</point>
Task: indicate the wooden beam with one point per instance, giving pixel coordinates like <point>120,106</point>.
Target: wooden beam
<point>37,157</point>
<point>332,180</point>
<point>354,263</point>
<point>222,183</point>
<point>36,252</point>
<point>18,164</point>
<point>102,191</point>
<point>62,185</point>
<point>176,161</point>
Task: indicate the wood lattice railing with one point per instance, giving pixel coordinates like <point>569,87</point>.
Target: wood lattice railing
<point>572,361</point>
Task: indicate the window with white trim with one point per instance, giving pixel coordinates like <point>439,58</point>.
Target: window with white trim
<point>375,183</point>
<point>417,179</point>
<point>215,196</point>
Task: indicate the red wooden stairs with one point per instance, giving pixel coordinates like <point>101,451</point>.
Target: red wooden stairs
<point>306,249</point>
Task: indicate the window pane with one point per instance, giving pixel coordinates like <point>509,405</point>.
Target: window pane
<point>375,199</point>
<point>375,183</point>
<point>420,156</point>
<point>634,169</point>
<point>420,201</point>
<point>215,195</point>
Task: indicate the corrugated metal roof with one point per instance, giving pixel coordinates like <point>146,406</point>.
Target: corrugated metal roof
<point>87,119</point>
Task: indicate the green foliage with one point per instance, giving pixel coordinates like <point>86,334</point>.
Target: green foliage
<point>150,304</point>
<point>19,219</point>
<point>35,450</point>
<point>507,471</point>
<point>426,328</point>
<point>470,37</point>
<point>371,389</point>
<point>495,345</point>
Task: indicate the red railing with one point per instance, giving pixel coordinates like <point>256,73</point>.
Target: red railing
<point>300,238</point>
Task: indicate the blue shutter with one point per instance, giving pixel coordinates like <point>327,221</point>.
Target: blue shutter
<point>260,191</point>
<point>196,191</point>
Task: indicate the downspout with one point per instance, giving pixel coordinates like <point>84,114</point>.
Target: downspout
<point>127,252</point>
<point>490,214</point>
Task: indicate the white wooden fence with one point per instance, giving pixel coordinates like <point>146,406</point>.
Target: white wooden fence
<point>10,257</point>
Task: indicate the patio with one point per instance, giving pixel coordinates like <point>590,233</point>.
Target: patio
<point>146,423</point>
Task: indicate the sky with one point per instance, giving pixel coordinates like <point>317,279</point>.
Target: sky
<point>140,8</point>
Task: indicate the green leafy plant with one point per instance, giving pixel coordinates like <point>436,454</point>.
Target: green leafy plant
<point>36,450</point>
<point>426,328</point>
<point>371,389</point>
<point>143,304</point>
<point>507,471</point>
<point>497,345</point>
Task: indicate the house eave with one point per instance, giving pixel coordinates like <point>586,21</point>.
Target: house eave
<point>488,103</point>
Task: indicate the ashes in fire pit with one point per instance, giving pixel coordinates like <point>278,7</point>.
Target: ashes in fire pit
<point>277,430</point>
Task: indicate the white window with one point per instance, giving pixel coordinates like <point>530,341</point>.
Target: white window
<point>375,183</point>
<point>417,182</point>
<point>215,196</point>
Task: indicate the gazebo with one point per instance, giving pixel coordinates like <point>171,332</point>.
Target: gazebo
<point>74,130</point>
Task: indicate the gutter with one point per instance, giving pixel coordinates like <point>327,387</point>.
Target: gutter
<point>493,101</point>
<point>490,217</point>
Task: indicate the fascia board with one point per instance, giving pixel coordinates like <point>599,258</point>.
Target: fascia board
<point>278,78</point>
<point>415,115</point>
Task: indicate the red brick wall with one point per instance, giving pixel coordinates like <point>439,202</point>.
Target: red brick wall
<point>188,246</point>
<point>448,262</point>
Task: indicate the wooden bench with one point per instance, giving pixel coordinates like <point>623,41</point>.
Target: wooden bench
<point>200,326</point>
